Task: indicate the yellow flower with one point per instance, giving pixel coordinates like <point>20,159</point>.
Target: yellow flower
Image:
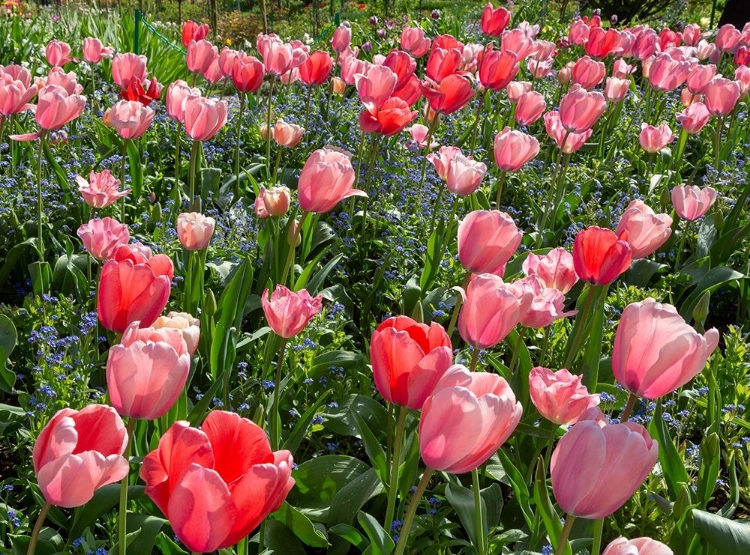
<point>228,42</point>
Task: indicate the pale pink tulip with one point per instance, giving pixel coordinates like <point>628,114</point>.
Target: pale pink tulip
<point>692,202</point>
<point>560,397</point>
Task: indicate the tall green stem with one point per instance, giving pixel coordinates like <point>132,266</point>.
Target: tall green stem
<point>411,511</point>
<point>500,188</point>
<point>581,331</point>
<point>276,165</point>
<point>275,432</point>
<point>459,302</point>
<point>596,546</point>
<point>514,355</point>
<point>39,200</point>
<point>478,520</point>
<point>292,246</point>
<point>548,451</point>
<point>268,128</point>
<point>37,528</point>
<point>178,157</point>
<point>545,345</point>
<point>425,150</point>
<point>395,462</point>
<point>236,188</point>
<point>474,359</point>
<point>681,247</point>
<point>193,163</point>
<point>563,539</point>
<point>632,399</point>
<point>123,516</point>
<point>475,125</point>
<point>717,144</point>
<point>124,155</point>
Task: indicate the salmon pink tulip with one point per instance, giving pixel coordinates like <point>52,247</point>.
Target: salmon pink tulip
<point>653,139</point>
<point>200,55</point>
<point>694,118</point>
<point>581,109</point>
<point>57,53</point>
<point>129,118</point>
<point>487,239</point>
<point>530,108</point>
<point>14,95</point>
<point>637,546</point>
<point>567,141</point>
<point>645,230</point>
<point>195,230</point>
<point>101,189</point>
<point>126,67</point>
<point>588,73</point>
<point>94,50</point>
<point>513,149</point>
<point>189,327</point>
<point>560,397</point>
<point>203,117</point>
<point>287,134</point>
<point>721,96</point>
<point>692,202</point>
<point>288,312</point>
<point>554,269</point>
<point>414,41</point>
<point>102,237</point>
<point>325,180</point>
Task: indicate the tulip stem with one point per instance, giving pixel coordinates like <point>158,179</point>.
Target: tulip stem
<point>178,157</point>
<point>37,528</point>
<point>292,245</point>
<point>395,462</point>
<point>596,546</point>
<point>268,128</point>
<point>276,415</point>
<point>717,144</point>
<point>514,356</point>
<point>307,106</point>
<point>500,188</point>
<point>478,520</point>
<point>237,149</point>
<point>563,539</point>
<point>425,150</point>
<point>459,302</point>
<point>124,154</point>
<point>474,359</point>
<point>123,516</point>
<point>39,200</point>
<point>276,165</point>
<point>550,447</point>
<point>581,330</point>
<point>413,504</point>
<point>476,121</point>
<point>681,247</point>
<point>628,407</point>
<point>545,345</point>
<point>191,177</point>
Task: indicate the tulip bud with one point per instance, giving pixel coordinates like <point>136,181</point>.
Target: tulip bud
<point>700,312</point>
<point>209,303</point>
<point>294,238</point>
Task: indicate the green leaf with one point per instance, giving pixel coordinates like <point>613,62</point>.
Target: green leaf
<point>712,280</point>
<point>313,286</point>
<point>350,534</point>
<point>353,496</point>
<point>167,546</point>
<point>104,500</point>
<point>710,467</point>
<point>300,428</point>
<point>670,460</point>
<point>433,256</point>
<point>373,446</point>
<point>340,420</point>
<point>547,510</point>
<point>49,543</point>
<point>641,271</point>
<point>593,353</point>
<point>462,501</point>
<point>8,341</point>
<point>11,258</point>
<point>210,182</point>
<point>136,169</point>
<point>302,526</point>
<point>380,542</point>
<point>724,535</point>
<point>62,177</point>
<point>281,539</point>
<point>142,532</point>
<point>519,487</point>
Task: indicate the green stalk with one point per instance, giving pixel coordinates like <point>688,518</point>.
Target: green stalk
<point>122,177</point>
<point>478,521</point>
<point>191,177</point>
<point>514,356</point>
<point>39,201</point>
<point>409,518</point>
<point>500,188</point>
<point>395,462</point>
<point>681,247</point>
<point>178,157</point>
<point>474,359</point>
<point>596,546</point>
<point>292,245</point>
<point>237,149</point>
<point>459,302</point>
<point>628,407</point>
<point>268,129</point>
<point>717,144</point>
<point>583,324</point>
<point>427,141</point>
<point>545,345</point>
<point>475,125</point>
<point>276,165</point>
<point>123,516</point>
<point>37,528</point>
<point>548,451</point>
<point>275,432</point>
<point>563,539</point>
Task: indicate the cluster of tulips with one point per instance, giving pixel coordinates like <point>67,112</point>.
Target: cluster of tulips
<point>218,483</point>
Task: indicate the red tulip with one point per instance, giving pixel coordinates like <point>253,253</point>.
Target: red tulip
<point>191,31</point>
<point>78,452</point>
<point>600,42</point>
<point>497,68</point>
<point>656,352</point>
<point>669,39</point>
<point>560,397</point>
<point>692,202</point>
<point>402,64</point>
<point>443,63</point>
<point>408,359</point>
<point>289,312</point>
<point>389,119</point>
<point>411,92</point>
<point>599,256</point>
<point>466,419</point>
<point>247,73</point>
<point>147,371</point>
<point>216,484</point>
<point>316,69</point>
<point>102,237</point>
<point>494,21</point>
<point>452,94</point>
<point>595,469</point>
<point>487,240</point>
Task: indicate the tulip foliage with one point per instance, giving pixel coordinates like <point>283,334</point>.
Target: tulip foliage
<point>410,287</point>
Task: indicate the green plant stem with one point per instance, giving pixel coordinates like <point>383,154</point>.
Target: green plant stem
<point>122,177</point>
<point>556,181</point>
<point>39,200</point>
<point>475,125</point>
<point>681,247</point>
<point>474,359</point>
<point>717,144</point>
<point>395,462</point>
<point>545,345</point>
<point>478,520</point>
<point>292,246</point>
<point>500,188</point>
<point>411,510</point>
<point>548,450</point>
<point>563,539</point>
<point>193,163</point>
<point>37,528</point>
<point>514,355</point>
<point>268,128</point>
<point>425,150</point>
<point>2,128</point>
<point>236,188</point>
<point>593,291</point>
<point>178,157</point>
<point>459,302</point>
<point>276,165</point>
<point>123,516</point>
<point>596,546</point>
<point>628,407</point>
<point>307,106</point>
<point>275,432</point>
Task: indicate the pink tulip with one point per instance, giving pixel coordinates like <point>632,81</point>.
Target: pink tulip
<point>599,257</point>
<point>694,117</point>
<point>133,292</point>
<point>567,141</point>
<point>442,158</point>
<point>195,230</point>
<point>14,95</point>
<point>408,359</point>
<point>375,86</point>
<point>494,21</point>
<point>530,108</point>
<point>721,96</point>
<point>487,240</point>
<point>543,50</point>
<point>645,44</point>
<point>691,34</point>
<point>247,73</point>
<point>278,58</point>
<point>418,134</point>
<point>129,118</point>
<point>580,109</point>
<point>147,371</point>
<point>218,483</point>
<point>645,230</point>
<point>616,89</point>
<point>276,200</point>
<point>518,42</point>
<point>497,68</point>
<point>101,238</point>
<point>94,50</point>
<point>443,63</point>
<point>227,59</point>
<point>414,41</point>
<point>708,51</point>
<point>191,31</point>
<point>560,397</point>
<point>539,69</point>
<point>54,109</point>
<point>58,53</point>
<point>727,38</point>
<point>68,81</point>
<point>699,78</point>
<point>656,352</point>
<point>214,73</point>
<point>177,92</point>
<point>316,69</point>
<point>78,452</point>
<point>595,470</point>
<point>342,38</point>
<point>289,312</point>
<point>637,546</point>
<point>402,64</point>
<point>547,304</point>
<point>204,117</point>
<point>742,77</point>
<point>17,73</point>
<point>101,189</point>
<point>464,175</point>
<point>692,202</point>
<point>653,139</point>
<point>287,134</point>
<point>189,327</point>
<point>491,310</point>
<point>579,32</point>
<point>466,419</point>
<point>588,73</point>
<point>554,269</point>
<point>513,149</point>
<point>325,180</point>
<point>621,69</point>
<point>127,67</point>
<point>200,55</point>
<point>666,73</point>
<point>516,89</point>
